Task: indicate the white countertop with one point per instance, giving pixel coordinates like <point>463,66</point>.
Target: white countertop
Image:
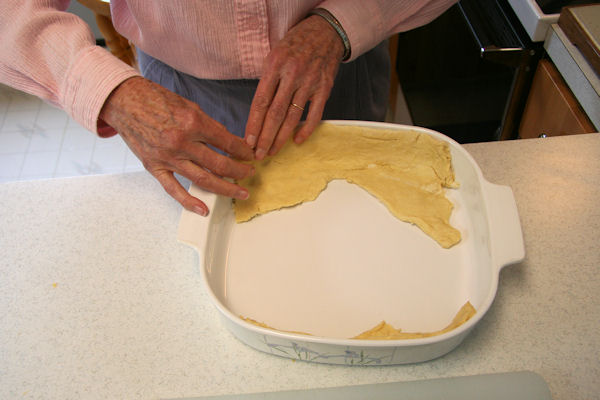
<point>98,300</point>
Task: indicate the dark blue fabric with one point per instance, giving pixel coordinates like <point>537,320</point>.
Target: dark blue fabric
<point>360,91</point>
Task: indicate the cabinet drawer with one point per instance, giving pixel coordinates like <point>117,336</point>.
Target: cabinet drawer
<point>551,107</point>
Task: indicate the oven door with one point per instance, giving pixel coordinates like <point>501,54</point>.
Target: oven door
<point>467,74</point>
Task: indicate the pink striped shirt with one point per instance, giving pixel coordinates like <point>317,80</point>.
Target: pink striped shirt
<point>52,54</point>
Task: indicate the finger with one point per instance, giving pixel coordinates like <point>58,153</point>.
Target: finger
<point>222,139</point>
<point>315,113</point>
<point>274,118</point>
<point>219,164</point>
<point>260,105</point>
<point>208,181</point>
<point>178,192</point>
<point>295,112</point>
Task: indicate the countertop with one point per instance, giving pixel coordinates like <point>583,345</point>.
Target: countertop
<point>99,300</point>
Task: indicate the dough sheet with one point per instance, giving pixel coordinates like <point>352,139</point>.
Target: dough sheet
<point>385,331</point>
<point>407,171</point>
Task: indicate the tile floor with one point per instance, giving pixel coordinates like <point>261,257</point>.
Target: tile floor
<point>39,141</point>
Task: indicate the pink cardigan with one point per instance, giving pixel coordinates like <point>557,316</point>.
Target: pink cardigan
<point>52,54</point>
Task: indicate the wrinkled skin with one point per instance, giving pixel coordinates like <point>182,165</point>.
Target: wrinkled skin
<point>300,68</point>
<point>170,134</point>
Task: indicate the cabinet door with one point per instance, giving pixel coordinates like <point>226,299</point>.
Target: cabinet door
<point>551,108</point>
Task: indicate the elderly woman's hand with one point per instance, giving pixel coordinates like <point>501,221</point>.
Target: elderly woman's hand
<point>170,134</point>
<point>301,68</point>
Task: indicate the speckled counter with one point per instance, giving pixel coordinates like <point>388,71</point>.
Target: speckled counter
<point>99,300</point>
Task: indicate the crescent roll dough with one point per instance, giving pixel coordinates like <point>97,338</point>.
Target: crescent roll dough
<point>406,170</point>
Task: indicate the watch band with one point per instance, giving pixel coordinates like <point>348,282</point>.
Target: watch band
<point>335,24</point>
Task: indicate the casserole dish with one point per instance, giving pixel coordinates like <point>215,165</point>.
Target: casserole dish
<point>339,265</point>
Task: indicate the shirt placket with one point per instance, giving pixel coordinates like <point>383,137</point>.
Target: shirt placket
<point>253,35</point>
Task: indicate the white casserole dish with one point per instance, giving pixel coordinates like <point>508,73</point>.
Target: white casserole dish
<point>339,265</point>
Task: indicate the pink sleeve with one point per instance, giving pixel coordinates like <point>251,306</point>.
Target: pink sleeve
<point>367,23</point>
<point>52,54</point>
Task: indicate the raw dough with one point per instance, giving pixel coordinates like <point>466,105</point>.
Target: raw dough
<point>406,170</point>
<point>385,331</point>
<point>263,325</point>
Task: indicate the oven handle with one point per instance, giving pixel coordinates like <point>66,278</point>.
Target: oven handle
<point>504,48</point>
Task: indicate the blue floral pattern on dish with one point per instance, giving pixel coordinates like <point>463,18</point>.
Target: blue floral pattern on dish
<point>305,353</point>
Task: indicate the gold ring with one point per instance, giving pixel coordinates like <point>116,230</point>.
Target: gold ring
<point>297,106</point>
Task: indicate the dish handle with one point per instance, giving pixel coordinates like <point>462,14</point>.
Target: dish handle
<point>506,236</point>
<point>193,228</point>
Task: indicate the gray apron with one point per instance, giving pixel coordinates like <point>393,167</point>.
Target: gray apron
<point>360,90</point>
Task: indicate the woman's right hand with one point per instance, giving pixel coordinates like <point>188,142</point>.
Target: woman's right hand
<point>170,134</point>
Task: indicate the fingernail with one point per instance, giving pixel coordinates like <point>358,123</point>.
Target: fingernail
<point>200,210</point>
<point>260,154</point>
<point>251,140</point>
<point>242,195</point>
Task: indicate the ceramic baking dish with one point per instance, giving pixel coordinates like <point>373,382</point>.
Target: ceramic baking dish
<point>339,265</point>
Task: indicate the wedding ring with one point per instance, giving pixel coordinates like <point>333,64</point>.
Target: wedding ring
<point>297,106</point>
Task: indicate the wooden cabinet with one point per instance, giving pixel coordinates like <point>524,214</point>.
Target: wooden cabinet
<point>551,107</point>
<point>117,44</point>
